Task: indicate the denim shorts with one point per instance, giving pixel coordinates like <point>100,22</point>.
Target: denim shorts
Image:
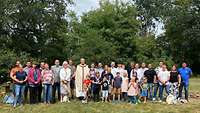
<point>104,93</point>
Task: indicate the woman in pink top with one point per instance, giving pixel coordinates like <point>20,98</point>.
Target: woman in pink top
<point>133,90</point>
<point>47,81</point>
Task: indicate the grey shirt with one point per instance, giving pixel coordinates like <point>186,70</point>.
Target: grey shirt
<point>56,71</point>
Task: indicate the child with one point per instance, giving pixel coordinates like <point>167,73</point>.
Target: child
<point>96,86</point>
<point>117,86</point>
<point>133,91</point>
<point>105,87</point>
<point>144,88</point>
<point>86,85</point>
<point>124,86</point>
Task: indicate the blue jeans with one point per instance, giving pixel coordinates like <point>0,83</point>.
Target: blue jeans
<point>161,87</point>
<point>19,91</point>
<point>186,87</point>
<point>47,93</point>
<point>133,99</point>
<point>150,90</point>
<point>156,86</point>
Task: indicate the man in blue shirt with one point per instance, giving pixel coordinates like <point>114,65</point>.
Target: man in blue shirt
<point>185,73</point>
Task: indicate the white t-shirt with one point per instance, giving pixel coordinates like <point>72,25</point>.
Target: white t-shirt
<point>65,74</point>
<point>164,75</point>
<point>140,73</point>
<point>113,71</point>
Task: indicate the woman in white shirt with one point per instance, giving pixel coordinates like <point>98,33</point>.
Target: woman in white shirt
<point>65,75</point>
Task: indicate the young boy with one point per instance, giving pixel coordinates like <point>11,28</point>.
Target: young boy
<point>144,87</point>
<point>117,86</point>
<point>96,86</point>
<point>105,87</point>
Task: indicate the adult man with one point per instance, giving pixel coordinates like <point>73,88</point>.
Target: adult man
<point>131,68</point>
<point>113,69</point>
<point>100,68</point>
<point>163,78</point>
<point>120,70</point>
<point>156,84</point>
<point>56,86</point>
<point>82,71</point>
<point>185,73</point>
<point>42,67</point>
<point>150,74</point>
<point>26,69</point>
<point>72,82</point>
<point>140,74</point>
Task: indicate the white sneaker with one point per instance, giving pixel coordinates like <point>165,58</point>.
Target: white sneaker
<point>154,99</point>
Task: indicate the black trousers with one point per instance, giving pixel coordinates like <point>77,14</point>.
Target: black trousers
<point>26,93</point>
<point>33,94</point>
<point>96,94</point>
<point>40,93</point>
<point>55,87</point>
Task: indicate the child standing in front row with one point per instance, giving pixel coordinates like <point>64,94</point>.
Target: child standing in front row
<point>124,86</point>
<point>105,87</point>
<point>86,85</point>
<point>117,86</point>
<point>144,87</point>
<point>133,91</point>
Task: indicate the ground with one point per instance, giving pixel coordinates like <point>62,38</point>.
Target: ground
<point>76,107</point>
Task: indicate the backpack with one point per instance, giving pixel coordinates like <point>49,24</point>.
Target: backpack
<point>8,99</point>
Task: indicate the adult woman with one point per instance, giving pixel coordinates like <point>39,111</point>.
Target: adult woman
<point>175,81</point>
<point>34,79</point>
<point>47,81</point>
<point>65,74</point>
<point>20,84</point>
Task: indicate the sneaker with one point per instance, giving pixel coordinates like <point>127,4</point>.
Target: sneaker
<point>160,100</point>
<point>154,99</point>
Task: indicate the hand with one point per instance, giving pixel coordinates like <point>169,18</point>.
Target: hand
<point>21,81</point>
<point>36,82</point>
<point>179,84</point>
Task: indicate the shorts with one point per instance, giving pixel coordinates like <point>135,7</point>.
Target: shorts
<point>104,93</point>
<point>110,89</point>
<point>144,93</point>
<point>117,91</point>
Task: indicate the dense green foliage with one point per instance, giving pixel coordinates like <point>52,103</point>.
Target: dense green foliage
<point>116,31</point>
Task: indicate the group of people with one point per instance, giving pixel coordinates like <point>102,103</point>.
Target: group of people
<point>111,83</point>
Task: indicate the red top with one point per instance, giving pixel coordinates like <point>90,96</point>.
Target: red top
<point>87,82</point>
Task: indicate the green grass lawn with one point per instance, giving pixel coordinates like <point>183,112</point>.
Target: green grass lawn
<point>91,107</point>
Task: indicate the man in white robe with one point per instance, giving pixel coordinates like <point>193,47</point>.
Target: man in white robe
<point>82,71</point>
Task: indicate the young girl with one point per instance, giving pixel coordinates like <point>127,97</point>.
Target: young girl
<point>133,91</point>
<point>144,88</point>
<point>124,86</point>
<point>86,85</point>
